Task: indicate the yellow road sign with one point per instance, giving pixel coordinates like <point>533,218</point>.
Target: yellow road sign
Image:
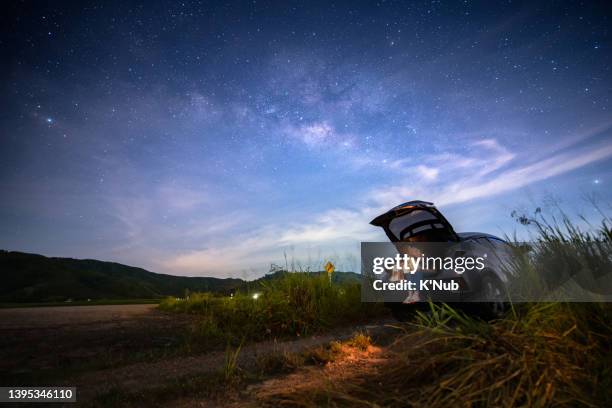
<point>329,267</point>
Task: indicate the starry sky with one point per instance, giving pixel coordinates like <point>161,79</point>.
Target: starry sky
<point>215,138</point>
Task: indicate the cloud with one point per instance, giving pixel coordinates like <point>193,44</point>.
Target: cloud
<point>225,258</point>
<point>174,197</point>
<point>500,156</point>
<point>328,234</point>
<point>486,173</point>
<point>427,173</point>
<point>512,179</point>
<point>476,177</point>
<point>331,226</point>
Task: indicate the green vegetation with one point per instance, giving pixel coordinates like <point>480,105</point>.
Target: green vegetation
<point>293,304</point>
<point>360,341</point>
<point>230,367</point>
<point>563,262</point>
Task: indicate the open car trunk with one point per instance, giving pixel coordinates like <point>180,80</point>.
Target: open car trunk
<point>416,221</point>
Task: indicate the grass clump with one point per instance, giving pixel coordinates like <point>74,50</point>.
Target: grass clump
<point>230,367</point>
<point>360,341</point>
<point>563,262</point>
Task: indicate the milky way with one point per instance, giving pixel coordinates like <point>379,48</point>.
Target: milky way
<point>217,138</point>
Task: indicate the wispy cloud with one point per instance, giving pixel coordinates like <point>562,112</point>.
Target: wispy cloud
<point>449,182</point>
<point>512,179</point>
<point>329,234</point>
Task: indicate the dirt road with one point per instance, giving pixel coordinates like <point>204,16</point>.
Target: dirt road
<point>43,343</point>
<point>46,317</point>
<point>127,350</point>
<point>142,376</point>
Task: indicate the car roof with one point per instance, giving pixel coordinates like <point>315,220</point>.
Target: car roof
<point>395,210</point>
<point>384,219</point>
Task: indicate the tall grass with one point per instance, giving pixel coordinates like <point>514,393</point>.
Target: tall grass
<point>231,363</point>
<point>295,304</point>
<point>563,262</point>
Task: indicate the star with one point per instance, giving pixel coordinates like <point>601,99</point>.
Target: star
<point>362,99</point>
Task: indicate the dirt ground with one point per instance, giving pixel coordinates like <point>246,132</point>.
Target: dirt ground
<point>132,350</point>
<point>48,317</point>
<point>43,343</point>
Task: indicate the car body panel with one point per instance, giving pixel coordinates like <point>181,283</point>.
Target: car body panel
<point>472,244</point>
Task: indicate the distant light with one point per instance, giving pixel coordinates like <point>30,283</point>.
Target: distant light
<point>596,181</point>
<point>49,120</point>
<point>255,296</point>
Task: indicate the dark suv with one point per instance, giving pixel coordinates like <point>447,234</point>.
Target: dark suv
<point>420,221</point>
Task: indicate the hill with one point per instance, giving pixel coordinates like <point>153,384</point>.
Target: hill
<point>37,278</point>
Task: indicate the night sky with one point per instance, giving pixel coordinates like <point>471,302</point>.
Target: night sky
<point>213,138</point>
